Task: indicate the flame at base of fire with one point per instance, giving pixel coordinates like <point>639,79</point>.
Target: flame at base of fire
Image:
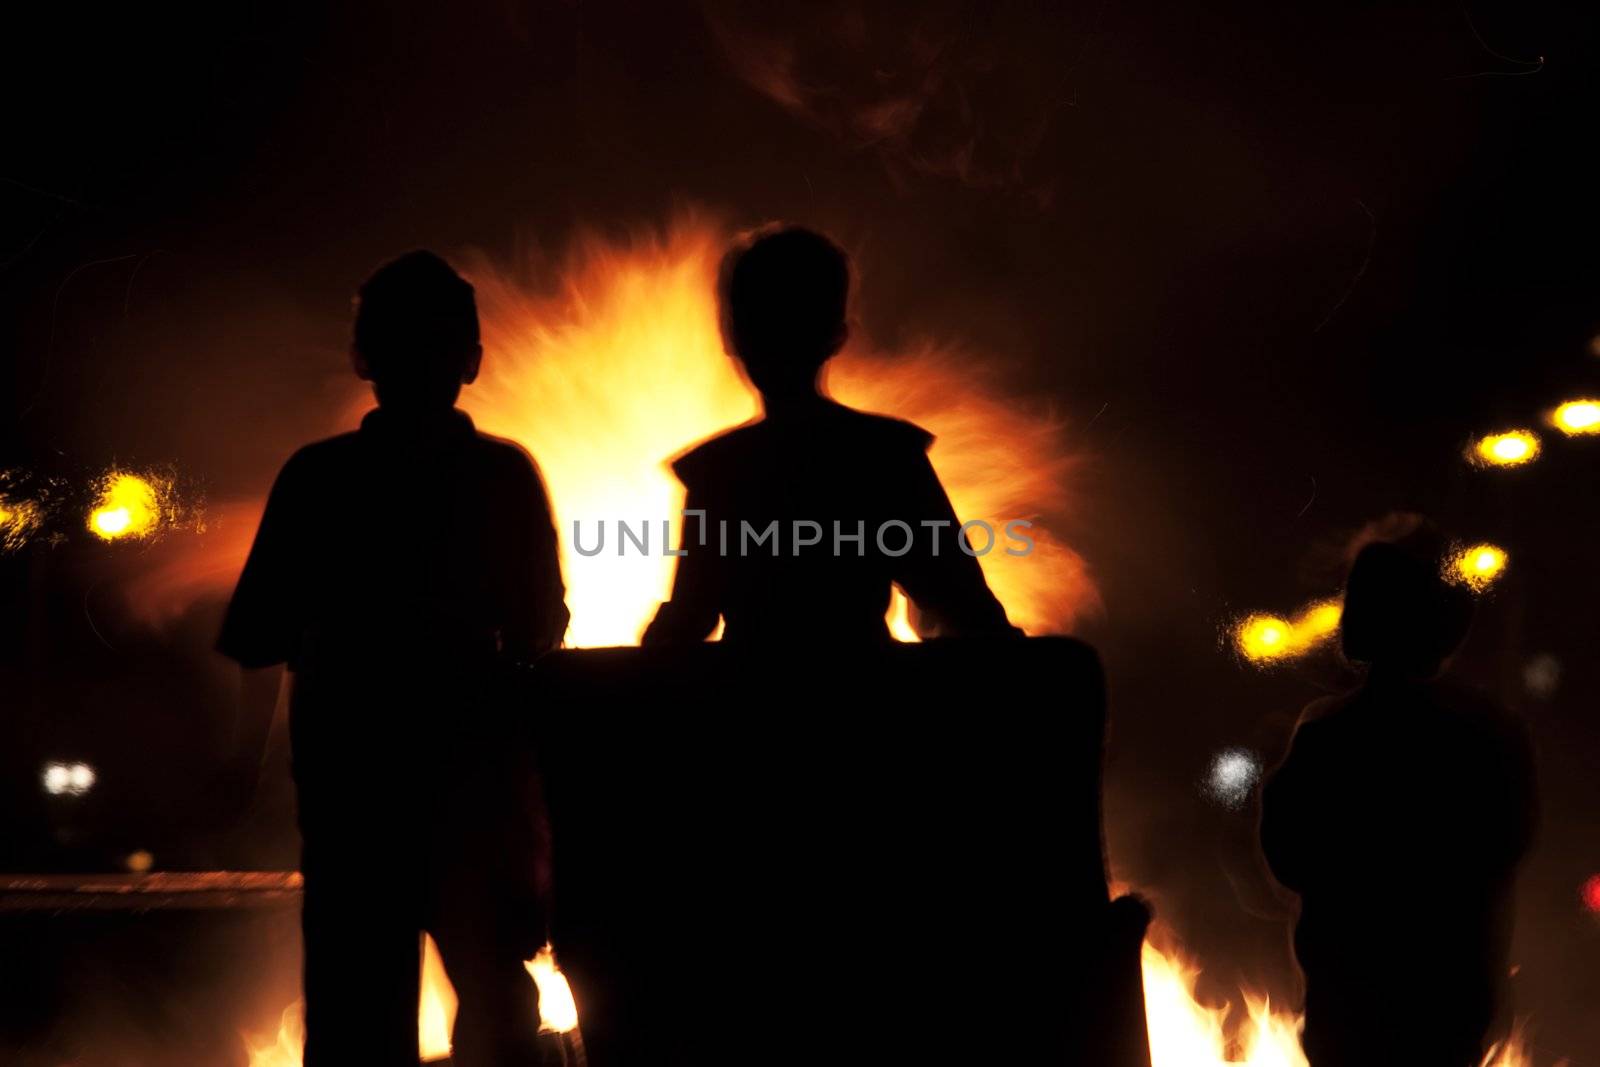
<point>286,1049</point>
<point>436,1005</point>
<point>558,1012</point>
<point>1186,1033</point>
<point>436,1012</point>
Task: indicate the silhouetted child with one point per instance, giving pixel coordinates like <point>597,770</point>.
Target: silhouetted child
<point>1399,817</point>
<point>394,566</point>
<point>856,505</point>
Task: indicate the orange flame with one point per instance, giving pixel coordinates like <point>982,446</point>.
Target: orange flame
<point>1184,1032</point>
<point>623,367</point>
<point>436,1012</point>
<point>558,1012</point>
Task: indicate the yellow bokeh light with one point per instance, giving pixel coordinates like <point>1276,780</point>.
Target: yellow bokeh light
<point>19,519</point>
<point>1263,637</point>
<point>1477,566</point>
<point>1512,448</point>
<point>128,506</point>
<point>1318,620</point>
<point>1577,417</point>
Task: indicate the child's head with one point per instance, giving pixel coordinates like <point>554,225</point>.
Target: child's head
<point>416,333</point>
<point>783,295</point>
<point>1400,612</point>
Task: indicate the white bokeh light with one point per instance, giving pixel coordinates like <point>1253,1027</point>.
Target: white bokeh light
<point>1232,775</point>
<point>68,779</point>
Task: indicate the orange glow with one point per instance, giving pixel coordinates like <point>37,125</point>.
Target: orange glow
<point>620,367</point>
<point>1577,417</point>
<point>1513,448</point>
<point>286,1047</point>
<point>623,367</point>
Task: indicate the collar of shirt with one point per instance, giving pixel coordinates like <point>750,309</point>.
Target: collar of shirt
<point>384,423</point>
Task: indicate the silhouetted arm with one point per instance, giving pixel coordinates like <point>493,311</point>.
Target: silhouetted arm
<point>941,578</point>
<point>1519,790</point>
<point>262,624</point>
<point>1287,804</point>
<point>537,616</point>
<point>692,613</point>
<point>260,632</point>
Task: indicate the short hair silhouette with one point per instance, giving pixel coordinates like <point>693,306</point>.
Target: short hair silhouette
<point>1400,611</point>
<point>416,331</point>
<point>782,294</point>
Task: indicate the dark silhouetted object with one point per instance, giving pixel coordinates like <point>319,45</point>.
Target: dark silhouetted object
<point>892,855</point>
<point>1399,817</point>
<point>830,478</point>
<point>396,568</point>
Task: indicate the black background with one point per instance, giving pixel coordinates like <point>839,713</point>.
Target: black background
<point>1274,264</point>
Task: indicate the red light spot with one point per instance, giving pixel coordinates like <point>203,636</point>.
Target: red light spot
<point>1591,894</point>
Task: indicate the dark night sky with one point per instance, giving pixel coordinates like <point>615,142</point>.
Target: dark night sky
<point>1295,252</point>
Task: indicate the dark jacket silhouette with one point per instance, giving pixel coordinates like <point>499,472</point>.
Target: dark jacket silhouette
<point>393,569</point>
<point>803,520</point>
<point>1399,817</point>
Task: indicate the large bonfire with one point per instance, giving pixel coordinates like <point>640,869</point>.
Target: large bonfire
<point>619,367</point>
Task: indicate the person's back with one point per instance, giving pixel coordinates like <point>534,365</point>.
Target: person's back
<point>1399,817</point>
<point>395,563</point>
<point>394,566</point>
<point>800,523</point>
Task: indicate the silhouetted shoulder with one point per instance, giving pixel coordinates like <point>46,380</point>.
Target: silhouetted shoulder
<point>321,453</point>
<point>319,459</point>
<point>892,432</point>
<point>831,427</point>
<point>505,456</point>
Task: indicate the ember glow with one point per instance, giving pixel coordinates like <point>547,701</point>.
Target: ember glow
<point>1512,448</point>
<point>129,506</point>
